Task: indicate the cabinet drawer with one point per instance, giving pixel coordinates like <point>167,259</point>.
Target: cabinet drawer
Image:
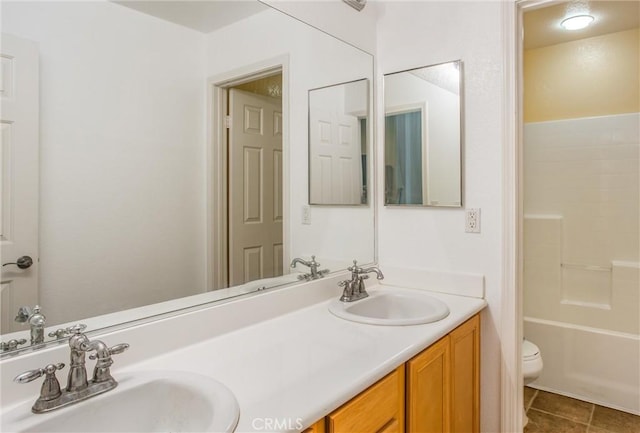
<point>378,409</point>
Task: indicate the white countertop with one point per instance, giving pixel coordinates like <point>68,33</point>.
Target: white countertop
<point>300,366</point>
<point>285,357</point>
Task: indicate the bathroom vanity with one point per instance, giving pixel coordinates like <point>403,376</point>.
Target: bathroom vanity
<point>436,390</point>
<point>290,363</point>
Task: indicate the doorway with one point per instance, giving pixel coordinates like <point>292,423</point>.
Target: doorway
<point>247,177</point>
<point>255,208</point>
<point>579,176</point>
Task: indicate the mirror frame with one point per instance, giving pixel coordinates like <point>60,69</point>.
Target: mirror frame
<point>460,64</point>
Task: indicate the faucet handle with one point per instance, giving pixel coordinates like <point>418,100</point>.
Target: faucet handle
<point>75,329</point>
<point>24,313</point>
<point>114,350</point>
<point>354,267</point>
<point>31,375</point>
<point>59,333</point>
<point>118,348</point>
<point>12,344</point>
<point>355,270</point>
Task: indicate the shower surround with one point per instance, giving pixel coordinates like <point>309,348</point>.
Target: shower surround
<point>581,256</point>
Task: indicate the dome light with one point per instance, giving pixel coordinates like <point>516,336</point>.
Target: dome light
<point>576,23</point>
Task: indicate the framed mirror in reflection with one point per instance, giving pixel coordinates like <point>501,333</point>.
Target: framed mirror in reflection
<point>171,139</point>
<point>423,138</point>
<point>338,130</point>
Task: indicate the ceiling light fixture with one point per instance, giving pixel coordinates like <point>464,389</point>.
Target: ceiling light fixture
<point>576,23</point>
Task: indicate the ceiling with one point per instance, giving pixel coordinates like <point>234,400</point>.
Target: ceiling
<point>203,16</point>
<point>542,26</point>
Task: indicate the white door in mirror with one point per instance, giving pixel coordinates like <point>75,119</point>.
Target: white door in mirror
<point>19,174</point>
<point>392,306</point>
<point>255,187</point>
<point>334,157</point>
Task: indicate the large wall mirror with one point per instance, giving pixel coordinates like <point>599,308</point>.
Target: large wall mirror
<point>423,138</point>
<point>173,159</point>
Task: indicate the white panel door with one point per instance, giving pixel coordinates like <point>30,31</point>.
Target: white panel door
<point>19,97</point>
<point>335,155</point>
<point>255,187</point>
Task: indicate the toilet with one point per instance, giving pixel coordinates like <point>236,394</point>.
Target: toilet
<point>531,367</point>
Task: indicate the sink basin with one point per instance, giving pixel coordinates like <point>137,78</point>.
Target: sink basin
<point>392,306</point>
<point>159,401</point>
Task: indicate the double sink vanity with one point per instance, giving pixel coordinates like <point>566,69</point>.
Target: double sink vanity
<point>288,360</point>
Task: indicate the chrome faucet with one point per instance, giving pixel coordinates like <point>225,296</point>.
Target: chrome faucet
<point>36,322</point>
<point>78,387</point>
<point>354,289</point>
<point>79,345</point>
<point>313,266</point>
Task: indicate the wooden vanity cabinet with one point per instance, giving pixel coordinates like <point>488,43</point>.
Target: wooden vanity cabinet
<point>440,388</point>
<point>379,409</point>
<point>443,383</point>
<point>318,427</point>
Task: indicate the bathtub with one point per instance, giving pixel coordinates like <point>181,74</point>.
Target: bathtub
<point>591,364</point>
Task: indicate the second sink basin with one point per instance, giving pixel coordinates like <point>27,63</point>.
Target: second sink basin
<point>159,401</point>
<point>392,306</point>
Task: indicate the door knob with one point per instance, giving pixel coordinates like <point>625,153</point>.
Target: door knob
<point>23,262</point>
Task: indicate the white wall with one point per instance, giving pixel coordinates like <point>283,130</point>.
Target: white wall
<point>336,234</point>
<point>414,34</point>
<point>122,172</point>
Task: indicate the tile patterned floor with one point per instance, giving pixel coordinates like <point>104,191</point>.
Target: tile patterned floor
<point>553,413</point>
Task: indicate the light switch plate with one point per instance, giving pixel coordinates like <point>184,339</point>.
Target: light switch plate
<point>306,214</point>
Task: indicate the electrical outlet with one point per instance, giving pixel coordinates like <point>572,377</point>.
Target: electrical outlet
<point>306,214</point>
<point>472,221</point>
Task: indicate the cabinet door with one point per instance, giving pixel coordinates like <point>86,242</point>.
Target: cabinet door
<point>378,409</point>
<point>318,427</point>
<point>465,377</point>
<point>428,398</point>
